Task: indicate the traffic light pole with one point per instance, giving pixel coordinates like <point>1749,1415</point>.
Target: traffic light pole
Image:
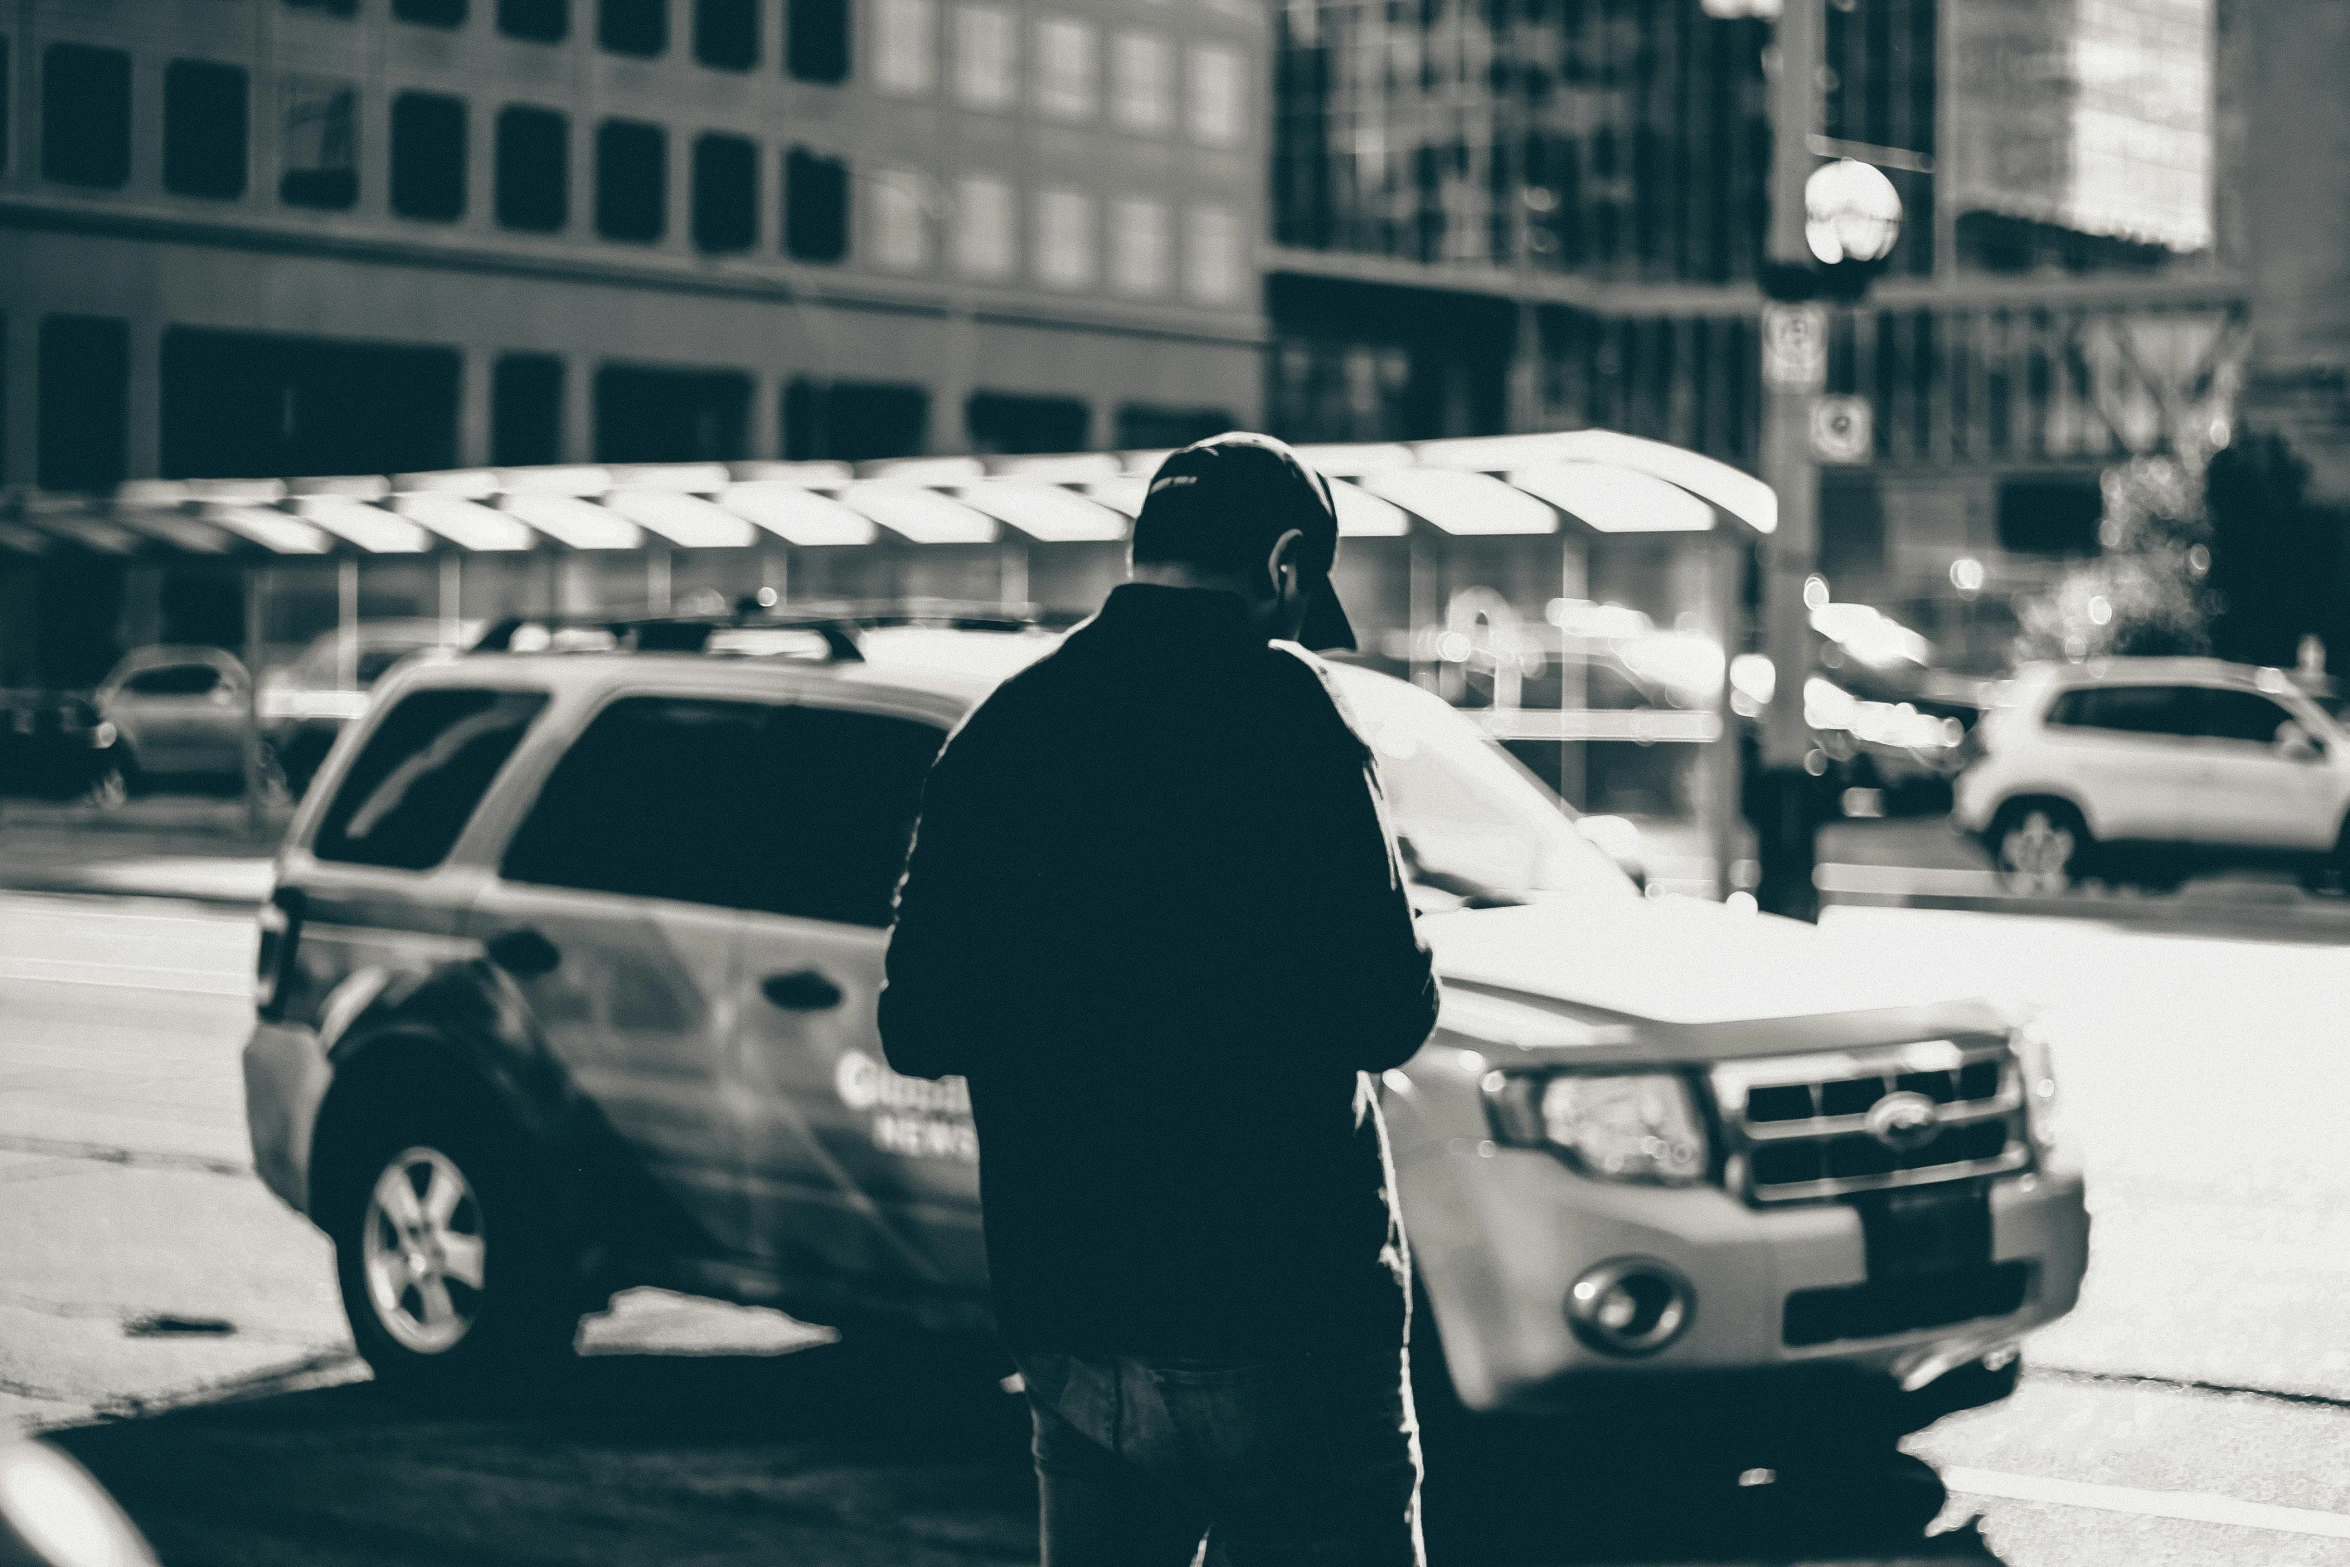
<point>1794,346</point>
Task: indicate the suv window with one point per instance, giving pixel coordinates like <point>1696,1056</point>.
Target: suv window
<point>788,810</point>
<point>173,680</point>
<point>2148,710</point>
<point>416,781</point>
<point>846,788</point>
<point>656,799</point>
<point>2241,715</point>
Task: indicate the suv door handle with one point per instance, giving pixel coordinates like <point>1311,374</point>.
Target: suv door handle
<point>803,990</point>
<point>523,953</point>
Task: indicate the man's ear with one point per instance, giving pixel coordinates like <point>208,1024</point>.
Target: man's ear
<point>1283,559</point>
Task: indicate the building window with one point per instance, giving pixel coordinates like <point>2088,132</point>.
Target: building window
<point>815,207</point>
<point>431,13</point>
<point>901,235</point>
<point>984,228</point>
<point>1064,239</point>
<point>6,120</point>
<point>905,49</point>
<point>638,27</point>
<point>1141,246</point>
<point>204,111</point>
<point>632,181</point>
<point>2050,516</point>
<point>84,408</point>
<point>242,403</point>
<point>854,421</point>
<point>428,157</point>
<point>1211,273</point>
<point>325,7</point>
<point>1219,96</point>
<point>534,168</point>
<point>1011,422</point>
<point>86,116</point>
<point>526,410</point>
<point>816,40</point>
<point>1146,427</point>
<point>1064,68</point>
<point>318,142</point>
<point>1142,83</point>
<point>726,33</point>
<point>663,415</point>
<point>726,193</point>
<point>540,21</point>
<point>987,57</point>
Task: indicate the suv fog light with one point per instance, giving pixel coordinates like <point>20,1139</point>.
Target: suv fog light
<point>1630,1306</point>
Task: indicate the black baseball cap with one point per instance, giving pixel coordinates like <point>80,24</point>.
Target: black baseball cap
<point>1220,503</point>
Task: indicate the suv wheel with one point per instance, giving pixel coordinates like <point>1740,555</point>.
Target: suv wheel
<point>449,1257</point>
<point>2039,846</point>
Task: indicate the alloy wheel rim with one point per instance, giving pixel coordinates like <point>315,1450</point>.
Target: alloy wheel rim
<point>422,1251</point>
<point>2038,853</point>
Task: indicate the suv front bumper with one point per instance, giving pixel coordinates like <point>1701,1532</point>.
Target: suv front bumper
<point>1501,1236</point>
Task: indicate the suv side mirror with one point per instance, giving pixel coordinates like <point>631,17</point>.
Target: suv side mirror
<point>2296,744</point>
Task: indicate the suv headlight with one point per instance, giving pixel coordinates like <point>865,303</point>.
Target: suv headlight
<point>2042,1107</point>
<point>1620,1126</point>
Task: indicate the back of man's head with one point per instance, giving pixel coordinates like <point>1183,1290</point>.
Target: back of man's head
<point>1218,507</point>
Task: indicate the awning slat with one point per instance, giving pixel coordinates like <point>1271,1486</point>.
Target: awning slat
<point>796,515</point>
<point>919,515</point>
<point>1045,512</point>
<point>1608,499</point>
<point>270,528</point>
<point>687,521</point>
<point>575,523</point>
<point>466,524</point>
<point>1461,502</point>
<point>372,528</point>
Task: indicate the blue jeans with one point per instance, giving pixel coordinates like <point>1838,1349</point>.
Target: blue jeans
<point>1309,1459</point>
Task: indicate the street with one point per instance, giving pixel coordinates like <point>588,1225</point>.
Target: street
<point>179,1329</point>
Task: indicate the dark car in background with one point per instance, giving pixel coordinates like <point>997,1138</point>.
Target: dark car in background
<point>54,745</point>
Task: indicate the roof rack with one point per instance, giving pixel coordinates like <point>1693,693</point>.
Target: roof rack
<point>842,625</point>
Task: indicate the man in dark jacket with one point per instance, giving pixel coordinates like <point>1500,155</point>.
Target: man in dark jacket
<point>1154,916</point>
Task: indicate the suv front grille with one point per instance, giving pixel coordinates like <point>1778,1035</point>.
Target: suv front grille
<point>1799,1128</point>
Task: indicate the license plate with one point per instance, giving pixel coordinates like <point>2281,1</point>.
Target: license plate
<point>1935,1229</point>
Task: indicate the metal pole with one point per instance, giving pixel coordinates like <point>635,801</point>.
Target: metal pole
<point>256,634</point>
<point>1574,670</point>
<point>1726,582</point>
<point>347,623</point>
<point>1012,575</point>
<point>452,595</point>
<point>1794,371</point>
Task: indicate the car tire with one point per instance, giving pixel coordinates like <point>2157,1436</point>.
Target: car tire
<point>2040,848</point>
<point>450,1253</point>
<point>112,786</point>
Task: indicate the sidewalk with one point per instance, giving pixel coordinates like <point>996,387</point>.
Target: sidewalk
<point>168,846</point>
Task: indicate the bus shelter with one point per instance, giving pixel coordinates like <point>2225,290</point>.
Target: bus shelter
<point>1582,593</point>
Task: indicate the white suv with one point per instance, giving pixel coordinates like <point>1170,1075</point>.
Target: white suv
<point>2145,769</point>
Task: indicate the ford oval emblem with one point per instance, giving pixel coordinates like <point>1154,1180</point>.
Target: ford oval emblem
<point>1904,1121</point>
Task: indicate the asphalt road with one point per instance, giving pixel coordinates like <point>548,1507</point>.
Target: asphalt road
<point>178,1329</point>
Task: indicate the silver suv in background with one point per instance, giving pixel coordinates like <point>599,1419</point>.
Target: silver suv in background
<point>2146,770</point>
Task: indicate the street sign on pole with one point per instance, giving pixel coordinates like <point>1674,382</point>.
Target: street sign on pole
<point>1843,430</point>
<point>1795,348</point>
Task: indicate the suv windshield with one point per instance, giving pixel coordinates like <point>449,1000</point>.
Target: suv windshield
<point>1470,819</point>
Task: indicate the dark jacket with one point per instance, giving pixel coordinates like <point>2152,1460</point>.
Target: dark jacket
<point>1154,917</point>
